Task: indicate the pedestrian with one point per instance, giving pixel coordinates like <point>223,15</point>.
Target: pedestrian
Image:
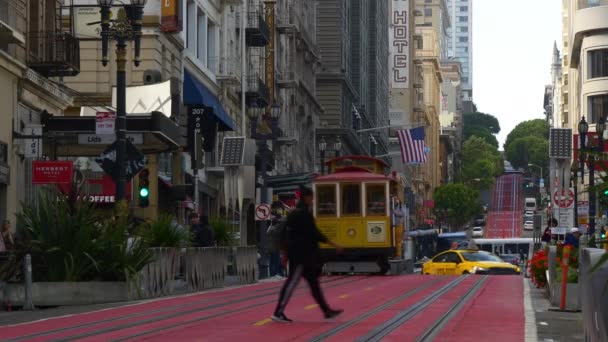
<point>7,241</point>
<point>202,230</point>
<point>276,268</point>
<point>573,237</point>
<point>303,252</point>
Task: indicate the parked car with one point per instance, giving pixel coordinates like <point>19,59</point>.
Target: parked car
<point>512,259</point>
<point>529,213</point>
<point>477,232</point>
<point>528,225</point>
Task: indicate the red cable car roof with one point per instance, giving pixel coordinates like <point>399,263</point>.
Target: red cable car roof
<point>359,158</point>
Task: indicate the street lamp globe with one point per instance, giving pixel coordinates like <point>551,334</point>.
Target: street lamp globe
<point>338,144</point>
<point>105,3</point>
<point>583,126</point>
<point>139,2</point>
<point>275,110</point>
<point>599,127</point>
<point>322,144</point>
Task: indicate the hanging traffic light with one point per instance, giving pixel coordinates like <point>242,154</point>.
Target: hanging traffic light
<point>606,192</point>
<point>144,188</point>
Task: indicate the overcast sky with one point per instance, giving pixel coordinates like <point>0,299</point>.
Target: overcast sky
<point>512,51</point>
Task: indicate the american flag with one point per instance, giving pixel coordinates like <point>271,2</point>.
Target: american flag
<point>412,145</point>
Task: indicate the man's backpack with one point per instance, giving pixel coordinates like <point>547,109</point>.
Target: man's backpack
<point>277,234</point>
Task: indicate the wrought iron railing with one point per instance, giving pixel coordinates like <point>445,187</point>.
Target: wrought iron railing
<point>54,53</point>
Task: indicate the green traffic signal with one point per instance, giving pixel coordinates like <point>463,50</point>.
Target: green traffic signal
<point>606,192</point>
<point>144,192</point>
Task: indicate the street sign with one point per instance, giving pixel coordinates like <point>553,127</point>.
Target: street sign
<point>106,139</point>
<point>262,212</point>
<point>33,146</point>
<point>135,161</point>
<point>105,122</point>
<point>566,200</point>
<point>52,172</point>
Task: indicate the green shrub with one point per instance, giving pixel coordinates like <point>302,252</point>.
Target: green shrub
<point>223,232</point>
<point>70,240</point>
<point>163,233</point>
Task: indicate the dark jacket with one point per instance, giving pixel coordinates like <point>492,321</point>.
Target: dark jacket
<point>203,235</point>
<point>546,235</point>
<point>303,236</point>
<point>571,240</point>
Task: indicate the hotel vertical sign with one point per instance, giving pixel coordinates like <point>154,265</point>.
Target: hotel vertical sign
<point>399,44</point>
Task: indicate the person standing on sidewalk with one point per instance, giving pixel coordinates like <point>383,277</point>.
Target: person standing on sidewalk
<point>303,252</point>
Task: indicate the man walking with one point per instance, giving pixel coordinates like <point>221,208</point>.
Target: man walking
<point>303,238</point>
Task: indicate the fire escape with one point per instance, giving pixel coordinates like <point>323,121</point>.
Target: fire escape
<point>257,36</point>
<point>53,49</point>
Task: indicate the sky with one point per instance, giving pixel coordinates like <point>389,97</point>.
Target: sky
<point>512,53</point>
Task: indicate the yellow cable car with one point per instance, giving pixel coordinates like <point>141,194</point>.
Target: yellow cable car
<point>353,207</point>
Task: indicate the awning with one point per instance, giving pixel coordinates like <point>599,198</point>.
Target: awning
<point>195,93</point>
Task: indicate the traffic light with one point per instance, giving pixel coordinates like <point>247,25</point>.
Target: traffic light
<point>144,188</point>
<point>606,192</point>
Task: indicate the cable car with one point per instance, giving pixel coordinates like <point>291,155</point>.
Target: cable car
<point>354,206</point>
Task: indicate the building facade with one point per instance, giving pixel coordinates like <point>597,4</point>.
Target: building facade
<point>451,119</point>
<point>38,51</point>
<point>352,81</point>
<point>460,44</point>
<point>431,27</point>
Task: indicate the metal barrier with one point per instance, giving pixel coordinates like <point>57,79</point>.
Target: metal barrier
<point>594,295</point>
<point>246,264</point>
<point>156,277</point>
<point>205,267</point>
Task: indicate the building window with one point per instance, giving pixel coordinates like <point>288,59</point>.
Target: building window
<point>598,107</point>
<point>464,29</point>
<point>202,36</point>
<point>598,63</point>
<point>464,8</point>
<point>419,44</point>
<point>428,12</point>
<point>465,80</point>
<point>463,39</point>
<point>463,19</point>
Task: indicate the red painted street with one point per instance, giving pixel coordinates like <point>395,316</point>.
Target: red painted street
<point>389,308</point>
<point>505,213</point>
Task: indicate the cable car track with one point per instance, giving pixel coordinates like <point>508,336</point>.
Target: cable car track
<point>272,291</point>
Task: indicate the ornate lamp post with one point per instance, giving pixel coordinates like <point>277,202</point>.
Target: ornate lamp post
<point>322,148</point>
<point>126,27</point>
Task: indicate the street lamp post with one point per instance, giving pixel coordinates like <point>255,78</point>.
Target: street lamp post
<point>540,167</point>
<point>322,148</point>
<point>127,26</point>
<point>583,129</point>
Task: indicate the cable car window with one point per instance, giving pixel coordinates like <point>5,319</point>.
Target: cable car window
<point>326,200</point>
<point>351,199</point>
<point>376,199</point>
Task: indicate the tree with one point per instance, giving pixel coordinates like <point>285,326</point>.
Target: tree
<point>457,203</point>
<point>481,162</point>
<point>484,120</point>
<point>481,132</point>
<point>528,143</point>
<point>537,127</point>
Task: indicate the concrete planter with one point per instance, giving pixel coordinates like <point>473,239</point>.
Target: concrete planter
<point>572,295</point>
<point>69,293</point>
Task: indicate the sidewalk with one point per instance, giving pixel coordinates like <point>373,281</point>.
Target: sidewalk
<point>550,326</point>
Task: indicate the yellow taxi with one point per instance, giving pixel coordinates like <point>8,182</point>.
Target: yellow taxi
<point>467,261</point>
